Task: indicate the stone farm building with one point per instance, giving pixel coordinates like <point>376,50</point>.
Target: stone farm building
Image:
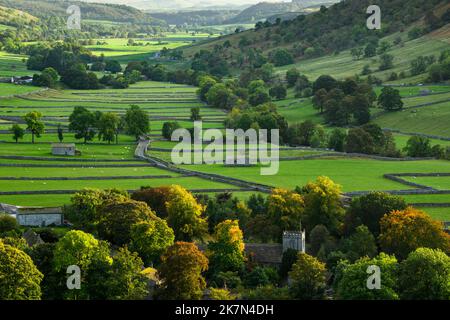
<point>64,149</point>
<point>39,217</point>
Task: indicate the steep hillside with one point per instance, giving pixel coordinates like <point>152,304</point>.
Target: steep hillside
<point>12,17</point>
<point>332,31</point>
<point>93,11</point>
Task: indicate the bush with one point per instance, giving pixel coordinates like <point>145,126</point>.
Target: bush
<point>424,275</point>
<point>169,128</point>
<point>261,276</point>
<point>8,223</point>
<point>281,57</point>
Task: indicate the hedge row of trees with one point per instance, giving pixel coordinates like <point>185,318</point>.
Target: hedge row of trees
<point>116,238</point>
<point>86,124</point>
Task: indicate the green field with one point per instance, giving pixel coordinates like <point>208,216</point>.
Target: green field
<point>12,65</point>
<point>8,89</point>
<point>171,102</point>
<point>442,214</point>
<point>352,174</point>
<point>432,120</point>
<point>144,49</point>
<point>163,101</point>
<point>343,65</point>
<point>439,183</point>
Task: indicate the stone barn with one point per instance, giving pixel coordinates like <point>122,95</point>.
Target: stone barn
<point>64,149</point>
<point>39,217</point>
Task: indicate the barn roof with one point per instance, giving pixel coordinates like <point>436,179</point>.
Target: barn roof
<point>63,145</point>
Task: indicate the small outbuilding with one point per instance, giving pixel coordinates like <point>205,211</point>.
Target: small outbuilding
<point>64,149</point>
<point>22,80</point>
<point>39,217</point>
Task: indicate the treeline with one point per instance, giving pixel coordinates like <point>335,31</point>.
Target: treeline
<point>87,125</point>
<point>124,243</point>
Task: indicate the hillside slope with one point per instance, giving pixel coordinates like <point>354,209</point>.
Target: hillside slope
<point>93,11</point>
<point>330,31</point>
<point>14,17</point>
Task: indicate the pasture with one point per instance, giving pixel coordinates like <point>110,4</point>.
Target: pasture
<point>101,165</point>
<point>343,65</point>
<point>9,89</point>
<point>13,65</point>
<point>104,165</point>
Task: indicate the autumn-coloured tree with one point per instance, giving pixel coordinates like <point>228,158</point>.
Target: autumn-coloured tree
<point>425,275</point>
<point>220,294</point>
<point>19,277</point>
<point>156,199</point>
<point>323,205</point>
<point>226,252</point>
<point>181,272</point>
<point>184,215</point>
<point>115,220</point>
<point>404,231</point>
<point>151,238</point>
<point>285,210</point>
<point>308,278</point>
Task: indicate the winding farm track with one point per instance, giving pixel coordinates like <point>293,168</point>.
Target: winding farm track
<point>141,151</point>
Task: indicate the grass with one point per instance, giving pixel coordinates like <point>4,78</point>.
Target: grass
<point>299,111</point>
<point>415,90</point>
<point>427,198</point>
<point>125,184</point>
<point>88,151</point>
<point>87,171</point>
<point>432,120</point>
<point>343,65</point>
<point>402,139</point>
<point>440,183</point>
<point>441,214</point>
<point>8,89</point>
<point>13,65</point>
<point>118,49</point>
<point>352,174</point>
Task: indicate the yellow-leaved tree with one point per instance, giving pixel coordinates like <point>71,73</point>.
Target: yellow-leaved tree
<point>404,231</point>
<point>185,215</point>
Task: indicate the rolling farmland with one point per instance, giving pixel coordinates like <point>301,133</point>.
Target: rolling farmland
<point>103,165</point>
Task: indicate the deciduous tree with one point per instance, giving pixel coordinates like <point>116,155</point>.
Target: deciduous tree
<point>181,272</point>
<point>323,205</point>
<point>227,249</point>
<point>351,279</point>
<point>308,278</point>
<point>151,238</point>
<point>425,275</point>
<point>34,124</point>
<point>184,215</point>
<point>19,277</point>
<point>402,232</point>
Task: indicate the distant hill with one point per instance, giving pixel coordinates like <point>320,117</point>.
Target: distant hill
<point>264,10</point>
<point>200,17</point>
<point>91,11</point>
<point>14,18</point>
